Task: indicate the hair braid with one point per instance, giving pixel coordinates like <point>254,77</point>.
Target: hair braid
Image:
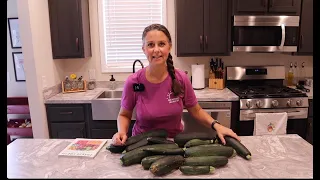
<point>176,87</point>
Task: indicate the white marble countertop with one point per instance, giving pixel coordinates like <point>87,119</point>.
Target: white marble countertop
<point>86,97</point>
<point>282,156</point>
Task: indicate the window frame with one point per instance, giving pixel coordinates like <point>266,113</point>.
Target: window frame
<point>123,67</point>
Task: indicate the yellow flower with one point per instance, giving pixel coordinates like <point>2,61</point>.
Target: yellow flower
<point>73,76</point>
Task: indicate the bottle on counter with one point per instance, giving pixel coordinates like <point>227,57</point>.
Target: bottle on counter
<point>80,83</point>
<point>303,71</point>
<point>290,75</point>
<point>296,73</point>
<point>67,84</point>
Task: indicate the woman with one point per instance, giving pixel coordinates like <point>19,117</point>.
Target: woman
<point>166,92</point>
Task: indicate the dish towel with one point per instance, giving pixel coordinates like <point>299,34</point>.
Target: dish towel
<point>270,123</point>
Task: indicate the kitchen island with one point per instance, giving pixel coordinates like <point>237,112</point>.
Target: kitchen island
<point>278,156</point>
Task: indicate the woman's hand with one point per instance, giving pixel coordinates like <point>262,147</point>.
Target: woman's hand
<point>119,138</point>
<point>223,131</point>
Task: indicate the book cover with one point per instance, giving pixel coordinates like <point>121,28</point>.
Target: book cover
<point>83,147</point>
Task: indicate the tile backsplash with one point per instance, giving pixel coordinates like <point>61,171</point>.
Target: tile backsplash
<point>82,67</point>
<point>248,59</point>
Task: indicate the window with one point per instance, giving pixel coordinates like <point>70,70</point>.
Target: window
<point>121,23</point>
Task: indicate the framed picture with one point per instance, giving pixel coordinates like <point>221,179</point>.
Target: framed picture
<point>18,66</point>
<point>14,33</point>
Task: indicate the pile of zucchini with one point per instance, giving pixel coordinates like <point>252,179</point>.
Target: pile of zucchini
<point>192,153</point>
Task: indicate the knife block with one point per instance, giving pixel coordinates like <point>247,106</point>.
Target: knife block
<point>215,83</point>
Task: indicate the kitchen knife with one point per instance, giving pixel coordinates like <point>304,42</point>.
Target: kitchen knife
<point>222,69</point>
<point>212,66</point>
<point>219,68</point>
<point>215,64</point>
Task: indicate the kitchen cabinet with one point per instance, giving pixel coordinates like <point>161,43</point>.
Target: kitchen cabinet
<point>263,7</point>
<point>203,27</point>
<point>104,128</point>
<point>306,28</point>
<point>68,121</point>
<point>309,136</point>
<point>69,28</point>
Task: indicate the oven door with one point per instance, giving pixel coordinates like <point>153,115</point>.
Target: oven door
<point>265,33</point>
<point>192,125</point>
<point>296,124</point>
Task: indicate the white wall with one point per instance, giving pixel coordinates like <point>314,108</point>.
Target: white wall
<point>81,66</point>
<point>14,88</point>
<point>41,70</point>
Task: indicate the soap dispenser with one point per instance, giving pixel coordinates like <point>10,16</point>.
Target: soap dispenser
<point>112,85</point>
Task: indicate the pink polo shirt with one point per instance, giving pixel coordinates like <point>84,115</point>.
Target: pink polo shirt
<point>156,107</point>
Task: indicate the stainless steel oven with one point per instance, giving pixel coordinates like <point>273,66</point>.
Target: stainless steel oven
<point>265,33</point>
<point>220,111</point>
<point>261,90</point>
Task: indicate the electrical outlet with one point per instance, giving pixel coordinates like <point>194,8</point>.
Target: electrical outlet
<point>92,74</point>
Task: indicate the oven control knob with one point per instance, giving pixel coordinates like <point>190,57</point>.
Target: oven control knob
<point>275,103</point>
<point>289,102</point>
<point>299,102</point>
<point>249,104</point>
<point>259,103</point>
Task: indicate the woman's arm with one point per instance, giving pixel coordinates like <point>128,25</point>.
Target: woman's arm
<point>204,118</point>
<point>123,120</point>
<point>128,102</point>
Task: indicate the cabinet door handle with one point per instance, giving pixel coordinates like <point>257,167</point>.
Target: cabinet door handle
<point>301,39</point>
<point>271,3</point>
<point>201,40</point>
<point>77,44</point>
<point>206,41</point>
<point>66,113</point>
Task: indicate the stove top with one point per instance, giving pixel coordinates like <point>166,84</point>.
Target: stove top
<point>266,91</point>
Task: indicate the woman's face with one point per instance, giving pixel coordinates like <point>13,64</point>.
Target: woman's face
<point>156,47</point>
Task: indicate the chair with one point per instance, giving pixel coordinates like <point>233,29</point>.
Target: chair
<point>18,126</point>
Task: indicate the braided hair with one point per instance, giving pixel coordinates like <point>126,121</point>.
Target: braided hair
<point>176,87</point>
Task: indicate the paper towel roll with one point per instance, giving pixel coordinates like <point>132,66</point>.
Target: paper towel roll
<point>198,79</point>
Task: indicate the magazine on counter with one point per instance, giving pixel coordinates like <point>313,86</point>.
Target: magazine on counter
<point>83,147</point>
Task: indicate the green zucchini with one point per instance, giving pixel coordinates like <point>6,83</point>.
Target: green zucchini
<point>147,161</point>
<point>238,146</point>
<point>135,156</point>
<point>196,170</point>
<point>166,164</point>
<point>215,161</point>
<point>209,150</point>
<point>182,138</point>
<point>197,142</point>
<point>142,142</point>
<point>159,140</point>
<point>165,151</point>
<point>152,133</point>
<point>115,149</point>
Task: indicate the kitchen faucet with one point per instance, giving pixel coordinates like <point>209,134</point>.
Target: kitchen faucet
<point>134,63</point>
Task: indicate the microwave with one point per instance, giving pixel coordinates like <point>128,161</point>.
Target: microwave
<point>265,33</point>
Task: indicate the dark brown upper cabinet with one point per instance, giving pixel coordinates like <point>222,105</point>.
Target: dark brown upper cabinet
<point>306,28</point>
<point>69,27</point>
<point>203,27</point>
<point>269,7</point>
